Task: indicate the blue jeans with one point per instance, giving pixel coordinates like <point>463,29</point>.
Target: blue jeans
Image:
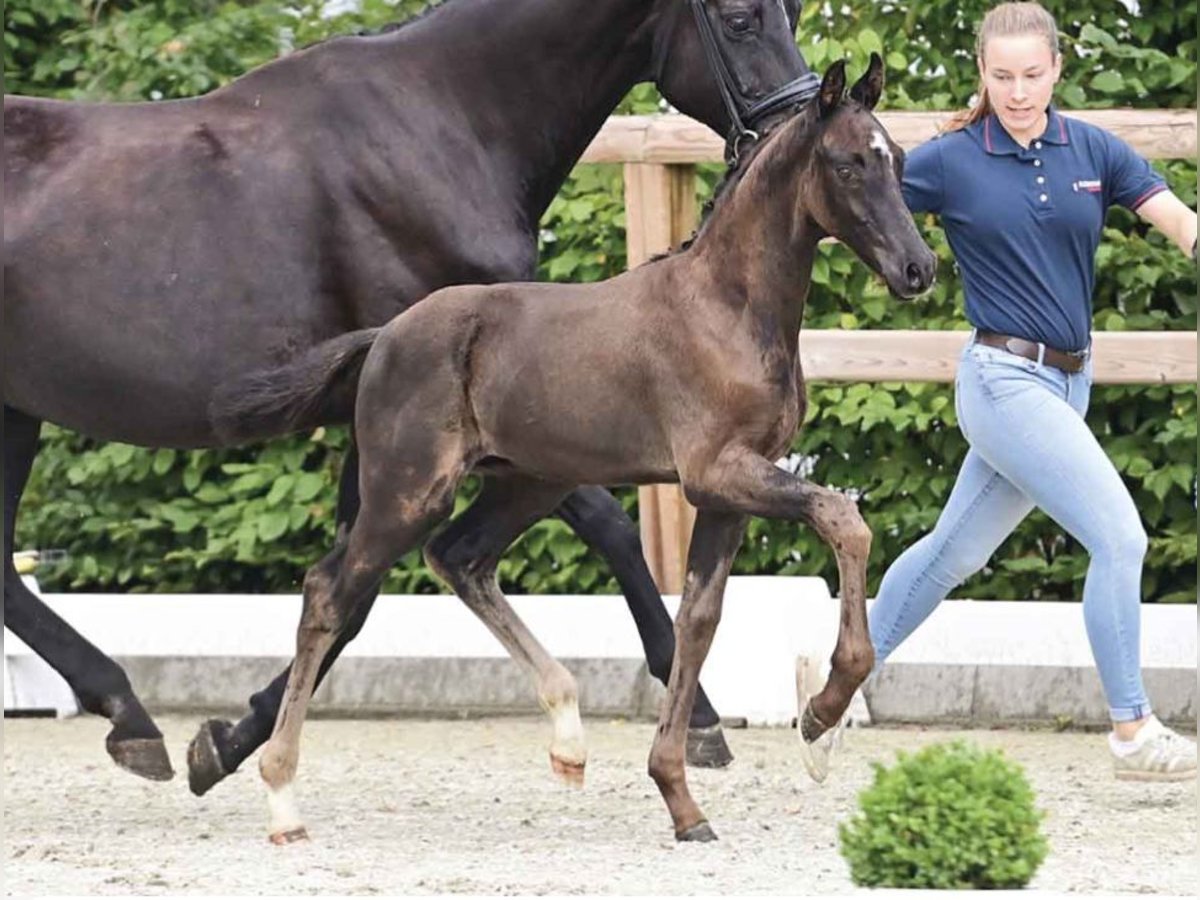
<point>1029,445</point>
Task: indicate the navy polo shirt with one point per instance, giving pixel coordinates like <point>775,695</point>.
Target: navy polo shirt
<point>1024,223</point>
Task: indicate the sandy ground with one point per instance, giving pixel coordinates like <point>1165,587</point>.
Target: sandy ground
<point>418,807</point>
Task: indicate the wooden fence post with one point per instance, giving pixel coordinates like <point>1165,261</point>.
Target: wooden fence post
<point>660,212</point>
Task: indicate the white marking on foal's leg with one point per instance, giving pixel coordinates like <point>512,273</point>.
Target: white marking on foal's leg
<point>880,145</point>
<point>568,752</point>
<point>559,697</point>
<point>286,824</point>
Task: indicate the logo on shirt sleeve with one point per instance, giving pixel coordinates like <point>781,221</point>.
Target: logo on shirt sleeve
<point>1088,186</point>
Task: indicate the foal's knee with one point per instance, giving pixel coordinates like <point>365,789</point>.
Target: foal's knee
<point>847,530</point>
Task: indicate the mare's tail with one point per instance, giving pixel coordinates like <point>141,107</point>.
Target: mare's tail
<point>316,388</point>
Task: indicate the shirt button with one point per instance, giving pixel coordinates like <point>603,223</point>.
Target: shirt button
<point>1041,179</point>
<point>1037,162</point>
<point>1043,198</point>
<point>1037,145</point>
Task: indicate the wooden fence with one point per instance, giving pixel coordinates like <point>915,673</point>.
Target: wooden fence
<point>659,154</point>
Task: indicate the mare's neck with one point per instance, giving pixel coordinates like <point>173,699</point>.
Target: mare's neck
<point>539,77</point>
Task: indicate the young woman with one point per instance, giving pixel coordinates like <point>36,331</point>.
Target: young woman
<point>1022,194</point>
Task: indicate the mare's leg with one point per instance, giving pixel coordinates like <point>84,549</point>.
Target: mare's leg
<point>715,542</point>
<point>597,517</point>
<point>746,483</point>
<point>134,743</point>
<point>466,554</point>
<point>399,512</point>
<point>219,747</point>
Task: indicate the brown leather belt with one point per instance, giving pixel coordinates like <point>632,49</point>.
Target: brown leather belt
<point>1060,359</point>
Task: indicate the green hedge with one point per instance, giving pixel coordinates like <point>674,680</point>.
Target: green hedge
<point>252,519</point>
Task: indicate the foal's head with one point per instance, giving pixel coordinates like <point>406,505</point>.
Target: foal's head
<point>852,183</point>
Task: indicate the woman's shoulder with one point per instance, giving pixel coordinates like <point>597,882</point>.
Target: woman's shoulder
<point>946,149</point>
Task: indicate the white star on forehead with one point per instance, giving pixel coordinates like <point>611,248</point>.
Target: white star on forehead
<point>880,145</point>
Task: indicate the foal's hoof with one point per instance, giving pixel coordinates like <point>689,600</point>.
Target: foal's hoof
<point>291,836</point>
<point>701,832</point>
<point>146,757</point>
<point>205,768</point>
<point>571,773</point>
<point>706,748</point>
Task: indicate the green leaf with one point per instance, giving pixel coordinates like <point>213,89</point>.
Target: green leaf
<point>272,524</point>
<point>163,460</point>
<point>869,41</point>
<point>308,485</point>
<point>280,488</point>
<point>1108,81</point>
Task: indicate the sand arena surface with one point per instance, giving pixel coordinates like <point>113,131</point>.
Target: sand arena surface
<point>415,807</point>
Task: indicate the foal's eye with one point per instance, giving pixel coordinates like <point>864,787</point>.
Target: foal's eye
<point>844,172</point>
<point>738,23</point>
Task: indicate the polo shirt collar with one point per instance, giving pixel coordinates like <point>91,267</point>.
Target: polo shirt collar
<point>998,142</point>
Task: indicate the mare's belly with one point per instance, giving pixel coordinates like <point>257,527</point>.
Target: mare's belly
<point>145,382</point>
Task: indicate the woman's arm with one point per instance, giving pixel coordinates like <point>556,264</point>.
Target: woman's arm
<point>1167,213</point>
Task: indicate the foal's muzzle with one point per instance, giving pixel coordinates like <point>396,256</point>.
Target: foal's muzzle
<point>912,277</point>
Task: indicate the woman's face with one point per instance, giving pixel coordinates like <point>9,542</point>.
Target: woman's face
<point>1019,72</point>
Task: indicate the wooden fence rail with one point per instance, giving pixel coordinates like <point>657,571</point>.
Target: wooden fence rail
<point>659,154</point>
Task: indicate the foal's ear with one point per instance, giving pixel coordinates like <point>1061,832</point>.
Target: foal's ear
<point>869,88</point>
<point>833,86</point>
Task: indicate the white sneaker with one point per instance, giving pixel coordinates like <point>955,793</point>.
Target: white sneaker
<point>1156,753</point>
<point>816,755</point>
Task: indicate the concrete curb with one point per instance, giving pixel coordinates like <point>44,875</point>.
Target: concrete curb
<point>972,662</point>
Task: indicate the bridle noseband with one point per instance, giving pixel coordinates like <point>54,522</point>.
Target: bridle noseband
<point>744,117</point>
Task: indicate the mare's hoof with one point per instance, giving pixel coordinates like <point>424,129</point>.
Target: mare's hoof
<point>291,836</point>
<point>706,748</point>
<point>701,832</point>
<point>571,773</point>
<point>146,757</point>
<point>205,768</point>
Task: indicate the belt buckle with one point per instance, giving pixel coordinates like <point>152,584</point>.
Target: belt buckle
<point>1082,355</point>
<point>1013,345</point>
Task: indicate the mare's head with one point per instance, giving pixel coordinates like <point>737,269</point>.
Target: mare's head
<point>732,64</point>
<point>852,183</point>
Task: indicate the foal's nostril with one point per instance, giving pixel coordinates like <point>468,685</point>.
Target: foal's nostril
<point>916,276</point>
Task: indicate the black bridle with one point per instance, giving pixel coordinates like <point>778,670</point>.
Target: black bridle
<point>744,117</point>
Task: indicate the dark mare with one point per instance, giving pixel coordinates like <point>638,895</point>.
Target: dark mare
<point>683,370</point>
<point>153,249</point>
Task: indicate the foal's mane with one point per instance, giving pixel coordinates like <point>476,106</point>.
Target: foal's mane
<point>735,174</point>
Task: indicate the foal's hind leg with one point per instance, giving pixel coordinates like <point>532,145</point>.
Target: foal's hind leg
<point>466,554</point>
<point>597,517</point>
<point>134,743</point>
<point>333,591</point>
<point>220,746</point>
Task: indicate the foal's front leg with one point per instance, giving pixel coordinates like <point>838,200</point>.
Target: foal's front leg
<point>715,541</point>
<point>596,516</point>
<point>745,482</point>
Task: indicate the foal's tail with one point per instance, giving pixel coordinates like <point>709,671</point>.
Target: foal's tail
<point>315,388</point>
